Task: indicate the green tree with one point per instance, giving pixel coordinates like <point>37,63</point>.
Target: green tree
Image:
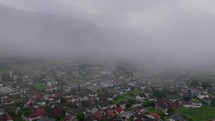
<point>158,93</point>
<point>147,103</point>
<point>26,111</point>
<point>170,111</point>
<point>63,100</point>
<point>130,119</point>
<point>187,97</point>
<point>212,102</point>
<point>18,103</point>
<point>81,116</point>
<point>194,83</point>
<point>205,85</point>
<point>129,104</point>
<point>48,109</point>
<point>18,118</point>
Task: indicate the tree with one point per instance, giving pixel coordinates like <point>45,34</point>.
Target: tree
<point>129,104</point>
<point>130,119</point>
<point>48,109</point>
<point>60,119</point>
<point>187,97</point>
<point>18,103</point>
<point>81,116</point>
<point>147,103</point>
<point>212,102</point>
<point>170,111</point>
<point>26,111</point>
<point>194,83</point>
<point>158,93</point>
<point>18,119</point>
<point>6,77</point>
<point>205,85</point>
<point>63,100</point>
<point>104,119</point>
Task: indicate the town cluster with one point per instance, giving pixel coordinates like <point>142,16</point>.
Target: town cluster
<point>56,97</point>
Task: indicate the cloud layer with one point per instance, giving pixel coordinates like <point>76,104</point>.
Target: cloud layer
<point>172,32</point>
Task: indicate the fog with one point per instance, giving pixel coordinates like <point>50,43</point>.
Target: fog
<point>165,33</point>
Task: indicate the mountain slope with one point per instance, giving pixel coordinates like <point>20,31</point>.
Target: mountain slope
<point>32,34</point>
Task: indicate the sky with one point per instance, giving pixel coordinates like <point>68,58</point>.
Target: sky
<point>171,31</point>
<point>124,13</point>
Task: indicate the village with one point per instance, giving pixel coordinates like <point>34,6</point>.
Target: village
<point>53,97</point>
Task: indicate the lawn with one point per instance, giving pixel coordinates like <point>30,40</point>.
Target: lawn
<point>203,77</point>
<point>40,86</point>
<point>205,113</point>
<point>120,99</point>
<point>111,89</point>
<point>151,109</point>
<point>134,92</point>
<point>3,71</point>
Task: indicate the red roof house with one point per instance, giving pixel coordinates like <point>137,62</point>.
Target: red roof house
<point>155,115</point>
<point>119,109</point>
<point>98,115</point>
<point>110,113</point>
<point>36,115</point>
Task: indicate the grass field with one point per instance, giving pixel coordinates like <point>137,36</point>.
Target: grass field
<point>3,71</point>
<point>120,99</point>
<point>134,92</point>
<point>203,77</point>
<point>151,109</point>
<point>205,113</point>
<point>40,86</point>
<point>111,89</point>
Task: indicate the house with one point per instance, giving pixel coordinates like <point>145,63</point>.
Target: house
<point>110,99</point>
<point>29,102</point>
<point>115,118</point>
<point>5,117</point>
<point>164,104</point>
<point>46,119</point>
<point>68,98</point>
<point>57,95</point>
<point>136,104</point>
<point>109,113</point>
<point>118,110</point>
<point>92,95</point>
<point>39,113</point>
<point>154,116</point>
<point>14,93</point>
<point>7,101</point>
<point>196,105</point>
<point>98,115</point>
<point>139,117</point>
<point>141,96</point>
<point>176,118</point>
<point>92,109</point>
<point>48,97</point>
<point>103,103</point>
<point>41,103</point>
<point>187,104</point>
<point>112,106</point>
<point>57,112</point>
<point>202,95</point>
<point>71,113</point>
<point>90,117</point>
<point>126,114</point>
<point>36,96</point>
<point>71,98</point>
<point>192,105</point>
<point>1,111</point>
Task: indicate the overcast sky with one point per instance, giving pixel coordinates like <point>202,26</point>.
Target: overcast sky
<point>135,14</point>
<point>180,30</point>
